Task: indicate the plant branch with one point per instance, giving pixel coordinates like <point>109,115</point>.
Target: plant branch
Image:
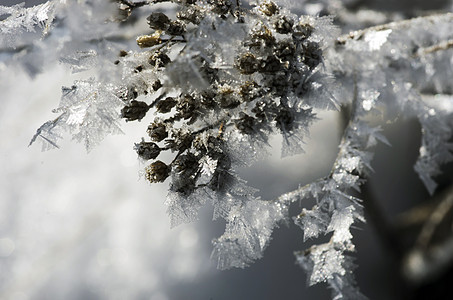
<point>354,35</point>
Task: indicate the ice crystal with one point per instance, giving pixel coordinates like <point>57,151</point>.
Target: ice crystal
<point>21,19</point>
<point>87,110</point>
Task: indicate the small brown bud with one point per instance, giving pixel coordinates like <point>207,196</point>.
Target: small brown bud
<point>247,63</point>
<point>145,41</point>
<point>269,8</point>
<point>284,25</point>
<point>159,59</point>
<point>135,111</point>
<point>176,28</point>
<point>147,150</point>
<point>165,106</point>
<point>158,21</point>
<point>158,171</point>
<point>157,131</point>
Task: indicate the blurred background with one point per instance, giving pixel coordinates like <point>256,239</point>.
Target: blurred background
<point>85,226</point>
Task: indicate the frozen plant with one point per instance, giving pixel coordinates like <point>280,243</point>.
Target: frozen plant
<point>221,77</point>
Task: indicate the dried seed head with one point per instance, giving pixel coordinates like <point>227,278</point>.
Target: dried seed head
<point>270,65</point>
<point>180,140</point>
<point>165,106</point>
<point>176,28</point>
<point>159,59</point>
<point>302,31</point>
<point>221,7</point>
<point>226,97</point>
<point>187,164</point>
<point>245,124</point>
<point>262,34</point>
<point>135,111</point>
<point>285,49</point>
<point>157,131</point>
<point>158,171</point>
<point>284,25</point>
<point>191,14</point>
<point>145,41</point>
<point>247,63</point>
<point>158,21</point>
<point>187,107</point>
<point>138,69</point>
<point>207,99</point>
<point>269,8</point>
<point>249,91</point>
<point>147,150</point>
<point>312,54</point>
<point>156,85</point>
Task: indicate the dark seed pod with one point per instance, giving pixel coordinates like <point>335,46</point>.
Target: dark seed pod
<point>285,49</point>
<point>165,106</point>
<point>191,14</point>
<point>265,110</point>
<point>158,21</point>
<point>221,7</point>
<point>207,99</point>
<point>180,141</point>
<point>226,98</point>
<point>247,63</point>
<point>249,91</point>
<point>135,111</point>
<point>187,107</point>
<point>245,124</point>
<point>157,131</point>
<point>145,41</point>
<point>159,59</point>
<point>284,25</point>
<point>158,171</point>
<point>176,28</point>
<point>269,8</point>
<point>279,83</point>
<point>312,54</point>
<point>147,150</point>
<point>262,35</point>
<point>270,65</point>
<point>123,53</point>
<point>187,164</point>
<point>302,31</point>
<point>156,85</point>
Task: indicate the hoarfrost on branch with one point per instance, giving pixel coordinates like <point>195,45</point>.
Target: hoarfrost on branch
<point>221,78</point>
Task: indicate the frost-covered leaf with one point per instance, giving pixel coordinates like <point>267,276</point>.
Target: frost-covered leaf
<point>88,110</point>
<point>22,19</point>
<point>313,222</point>
<point>247,233</point>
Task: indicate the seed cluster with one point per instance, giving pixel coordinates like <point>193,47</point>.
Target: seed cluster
<point>252,97</point>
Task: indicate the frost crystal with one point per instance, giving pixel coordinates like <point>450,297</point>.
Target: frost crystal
<point>21,19</point>
<point>88,110</point>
